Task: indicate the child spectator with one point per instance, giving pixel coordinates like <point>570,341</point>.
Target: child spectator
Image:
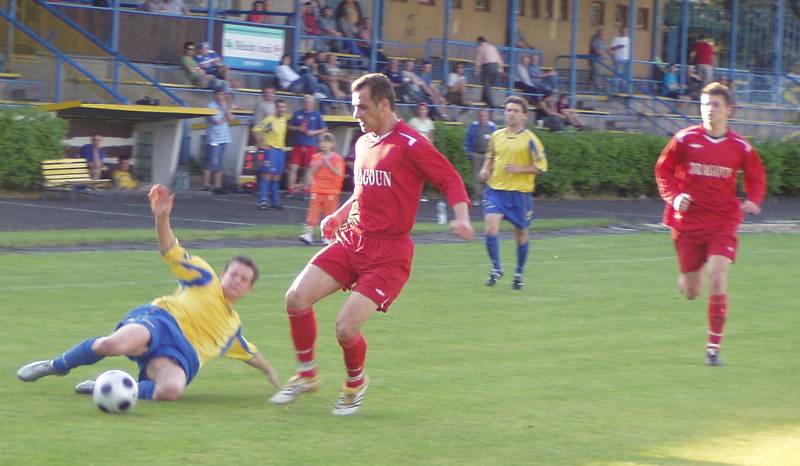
<point>270,135</point>
<point>422,122</point>
<point>327,176</point>
<point>122,174</point>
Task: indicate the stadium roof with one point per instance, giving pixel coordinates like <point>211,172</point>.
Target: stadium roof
<point>78,109</point>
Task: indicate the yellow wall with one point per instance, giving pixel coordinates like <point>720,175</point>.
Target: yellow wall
<point>411,22</point>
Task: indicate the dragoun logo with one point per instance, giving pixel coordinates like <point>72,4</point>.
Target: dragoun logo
<point>715,171</point>
<point>371,177</point>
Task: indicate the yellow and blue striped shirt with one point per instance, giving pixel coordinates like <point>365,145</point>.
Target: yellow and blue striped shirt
<point>522,148</point>
<point>205,317</point>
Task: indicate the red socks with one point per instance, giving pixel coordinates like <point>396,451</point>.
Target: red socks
<point>303,323</point>
<point>717,310</point>
<point>355,353</point>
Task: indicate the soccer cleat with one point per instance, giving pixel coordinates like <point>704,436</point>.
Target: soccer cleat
<point>36,370</point>
<point>494,276</point>
<point>295,387</point>
<point>517,283</point>
<point>306,238</point>
<point>712,357</point>
<point>262,206</point>
<point>85,388</point>
<point>350,399</point>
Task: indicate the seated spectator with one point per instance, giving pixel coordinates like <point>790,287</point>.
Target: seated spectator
<point>290,80</point>
<point>123,179</point>
<point>694,82</point>
<point>327,26</point>
<point>196,75</point>
<point>523,80</point>
<point>331,74</point>
<point>212,64</point>
<point>570,116</point>
<point>95,156</point>
<point>416,90</point>
<point>363,46</point>
<point>348,16</point>
<point>176,7</point>
<point>670,87</point>
<point>154,6</point>
<point>547,112</point>
<point>457,87</point>
<point>421,122</point>
<point>258,13</point>
<point>726,81</point>
<point>395,76</point>
<point>544,81</point>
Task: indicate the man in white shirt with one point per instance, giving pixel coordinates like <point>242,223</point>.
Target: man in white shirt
<point>621,51</point>
<point>488,65</point>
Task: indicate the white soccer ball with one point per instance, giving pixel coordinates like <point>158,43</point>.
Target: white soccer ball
<point>115,392</point>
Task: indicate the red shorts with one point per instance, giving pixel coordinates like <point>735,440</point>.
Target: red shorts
<point>695,246</point>
<point>301,155</point>
<point>319,205</point>
<point>377,267</point>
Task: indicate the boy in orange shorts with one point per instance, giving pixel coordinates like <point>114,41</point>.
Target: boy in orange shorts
<point>326,173</point>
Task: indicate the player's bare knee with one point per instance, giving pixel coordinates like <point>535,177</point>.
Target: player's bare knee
<point>296,299</point>
<point>717,281</point>
<point>107,346</point>
<point>345,330</point>
<point>168,391</point>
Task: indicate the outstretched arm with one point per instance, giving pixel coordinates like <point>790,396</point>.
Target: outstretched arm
<point>161,205</point>
<point>264,366</point>
<point>332,222</point>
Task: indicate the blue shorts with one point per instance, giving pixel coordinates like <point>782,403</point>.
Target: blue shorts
<point>274,161</point>
<point>166,340</point>
<point>515,206</point>
<point>214,155</point>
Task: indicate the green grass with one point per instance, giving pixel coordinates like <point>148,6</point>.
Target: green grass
<point>598,361</point>
<point>47,238</point>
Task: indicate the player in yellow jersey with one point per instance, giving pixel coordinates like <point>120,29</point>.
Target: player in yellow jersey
<point>514,159</point>
<point>174,335</point>
<point>270,134</point>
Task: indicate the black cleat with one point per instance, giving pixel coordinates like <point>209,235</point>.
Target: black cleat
<point>494,276</point>
<point>712,357</point>
<point>517,283</point>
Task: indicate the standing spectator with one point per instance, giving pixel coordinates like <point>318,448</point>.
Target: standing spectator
<point>476,144</point>
<point>258,13</point>
<point>457,87</point>
<point>421,122</point>
<point>348,16</point>
<point>705,59</point>
<point>270,135</point>
<point>542,80</point>
<point>488,65</point>
<point>514,159</point>
<point>621,51</point>
<point>95,156</point>
<point>307,124</point>
<point>696,175</point>
<point>597,52</point>
<point>327,27</point>
<point>310,28</point>
<point>217,139</point>
<point>212,64</point>
<point>266,106</point>
<point>327,176</point>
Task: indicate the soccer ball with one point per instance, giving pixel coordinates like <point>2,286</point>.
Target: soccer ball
<point>115,392</point>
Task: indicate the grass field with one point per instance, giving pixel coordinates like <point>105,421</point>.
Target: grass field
<point>598,361</point>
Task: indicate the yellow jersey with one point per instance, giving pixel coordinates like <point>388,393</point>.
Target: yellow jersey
<point>522,148</point>
<point>273,130</point>
<point>205,317</point>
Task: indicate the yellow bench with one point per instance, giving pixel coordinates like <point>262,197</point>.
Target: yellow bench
<point>68,175</point>
<point>9,75</point>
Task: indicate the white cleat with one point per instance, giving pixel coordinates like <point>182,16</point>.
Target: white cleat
<point>36,370</point>
<point>350,399</point>
<point>306,238</point>
<point>295,387</point>
<point>85,388</point>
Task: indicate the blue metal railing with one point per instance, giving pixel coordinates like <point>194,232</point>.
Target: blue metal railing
<point>117,57</point>
<point>60,59</point>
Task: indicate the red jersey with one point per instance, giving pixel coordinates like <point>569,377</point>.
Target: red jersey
<point>706,168</point>
<point>703,53</point>
<point>389,173</point>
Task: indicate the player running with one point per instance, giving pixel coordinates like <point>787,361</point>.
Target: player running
<point>372,251</point>
<point>696,175</point>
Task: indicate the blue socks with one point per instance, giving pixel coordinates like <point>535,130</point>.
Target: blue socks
<point>79,355</point>
<point>262,190</point>
<point>522,257</point>
<point>493,248</point>
<point>146,389</point>
<point>275,191</point>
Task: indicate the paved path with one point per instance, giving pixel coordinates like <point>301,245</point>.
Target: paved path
<point>203,210</point>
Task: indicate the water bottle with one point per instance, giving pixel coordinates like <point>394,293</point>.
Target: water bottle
<point>441,212</point>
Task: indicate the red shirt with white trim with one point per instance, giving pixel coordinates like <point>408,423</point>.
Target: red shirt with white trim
<point>389,173</point>
<point>706,168</point>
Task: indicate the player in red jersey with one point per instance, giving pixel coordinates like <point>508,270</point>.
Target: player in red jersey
<point>372,251</point>
<point>696,175</point>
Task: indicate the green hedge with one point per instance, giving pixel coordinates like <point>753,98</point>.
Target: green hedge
<point>28,136</point>
<point>616,164</point>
